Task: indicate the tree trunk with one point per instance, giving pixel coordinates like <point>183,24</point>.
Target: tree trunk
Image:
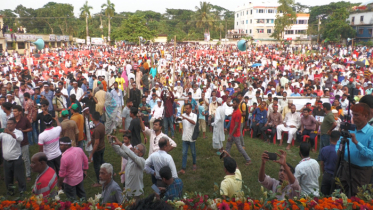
<point>109,28</point>
<point>86,25</point>
<point>220,36</point>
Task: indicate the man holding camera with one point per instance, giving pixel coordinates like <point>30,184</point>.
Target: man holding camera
<point>285,175</point>
<point>361,151</point>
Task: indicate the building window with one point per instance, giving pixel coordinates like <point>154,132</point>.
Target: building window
<point>250,31</point>
<point>261,10</point>
<point>300,31</point>
<point>237,23</point>
<point>251,12</point>
<point>289,32</point>
<point>361,18</point>
<point>237,15</point>
<point>302,21</point>
<point>269,20</point>
<point>370,31</point>
<point>247,21</point>
<point>21,45</point>
<point>246,31</point>
<point>251,20</point>
<point>271,11</point>
<point>260,21</point>
<point>361,31</point>
<point>353,20</point>
<point>247,12</point>
<point>269,31</point>
<point>259,31</point>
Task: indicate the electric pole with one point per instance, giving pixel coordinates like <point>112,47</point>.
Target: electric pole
<point>318,31</point>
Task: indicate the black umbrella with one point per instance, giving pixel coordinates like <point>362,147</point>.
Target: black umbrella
<point>37,55</point>
<point>310,61</point>
<point>359,63</point>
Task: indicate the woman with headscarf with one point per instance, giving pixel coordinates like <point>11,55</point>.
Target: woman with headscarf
<point>112,115</point>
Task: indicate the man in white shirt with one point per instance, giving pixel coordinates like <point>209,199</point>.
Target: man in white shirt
<point>156,112</point>
<point>11,140</point>
<point>307,172</point>
<point>291,125</point>
<point>189,122</point>
<point>76,90</point>
<point>159,159</point>
<point>338,91</point>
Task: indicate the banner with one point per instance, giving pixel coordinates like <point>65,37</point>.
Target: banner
<point>207,36</point>
<point>97,41</point>
<point>52,37</point>
<point>80,41</point>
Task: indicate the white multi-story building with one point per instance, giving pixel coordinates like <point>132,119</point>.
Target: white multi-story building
<point>258,21</point>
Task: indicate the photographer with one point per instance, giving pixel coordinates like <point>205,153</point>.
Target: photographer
<point>361,151</point>
<point>285,175</point>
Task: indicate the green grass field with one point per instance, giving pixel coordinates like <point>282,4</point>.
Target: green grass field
<point>210,168</point>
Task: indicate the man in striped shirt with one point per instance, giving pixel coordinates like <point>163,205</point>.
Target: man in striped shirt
<point>47,178</point>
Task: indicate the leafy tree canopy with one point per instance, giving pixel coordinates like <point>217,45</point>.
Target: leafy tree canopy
<point>132,28</point>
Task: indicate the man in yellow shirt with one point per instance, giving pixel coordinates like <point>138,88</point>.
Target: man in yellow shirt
<point>121,82</point>
<point>232,184</point>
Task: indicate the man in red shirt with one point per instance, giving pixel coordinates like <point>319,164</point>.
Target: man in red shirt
<point>47,178</point>
<point>234,132</point>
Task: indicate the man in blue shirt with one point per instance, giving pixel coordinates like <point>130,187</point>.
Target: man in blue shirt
<point>193,102</point>
<point>296,92</point>
<point>328,160</point>
<point>174,186</point>
<point>230,88</point>
<point>48,94</point>
<point>361,151</point>
<point>259,119</point>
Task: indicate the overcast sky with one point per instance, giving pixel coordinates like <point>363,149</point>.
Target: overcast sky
<point>155,5</point>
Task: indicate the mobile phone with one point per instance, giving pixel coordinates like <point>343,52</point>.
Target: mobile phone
<point>111,139</point>
<point>156,189</point>
<point>272,156</point>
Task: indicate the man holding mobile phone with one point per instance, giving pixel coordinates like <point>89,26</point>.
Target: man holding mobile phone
<point>286,177</point>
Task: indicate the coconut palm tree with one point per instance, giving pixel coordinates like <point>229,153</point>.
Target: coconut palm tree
<point>84,12</point>
<point>203,17</point>
<point>109,12</point>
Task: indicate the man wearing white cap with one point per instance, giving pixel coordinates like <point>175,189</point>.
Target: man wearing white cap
<point>218,126</point>
<point>369,90</point>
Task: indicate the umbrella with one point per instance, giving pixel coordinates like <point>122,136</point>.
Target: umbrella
<point>256,65</point>
<point>328,58</point>
<point>310,61</point>
<point>359,63</point>
<point>291,59</point>
<point>351,62</point>
<point>37,55</point>
<point>365,61</point>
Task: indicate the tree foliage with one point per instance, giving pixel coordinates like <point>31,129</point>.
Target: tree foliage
<point>324,11</point>
<point>132,28</point>
<point>285,17</point>
<point>59,19</point>
<point>336,26</point>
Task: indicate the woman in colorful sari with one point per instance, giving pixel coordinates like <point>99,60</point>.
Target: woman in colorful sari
<point>112,115</point>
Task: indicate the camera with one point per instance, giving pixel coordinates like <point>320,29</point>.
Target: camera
<point>346,128</point>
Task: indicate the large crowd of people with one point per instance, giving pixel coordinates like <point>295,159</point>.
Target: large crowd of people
<point>71,100</point>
